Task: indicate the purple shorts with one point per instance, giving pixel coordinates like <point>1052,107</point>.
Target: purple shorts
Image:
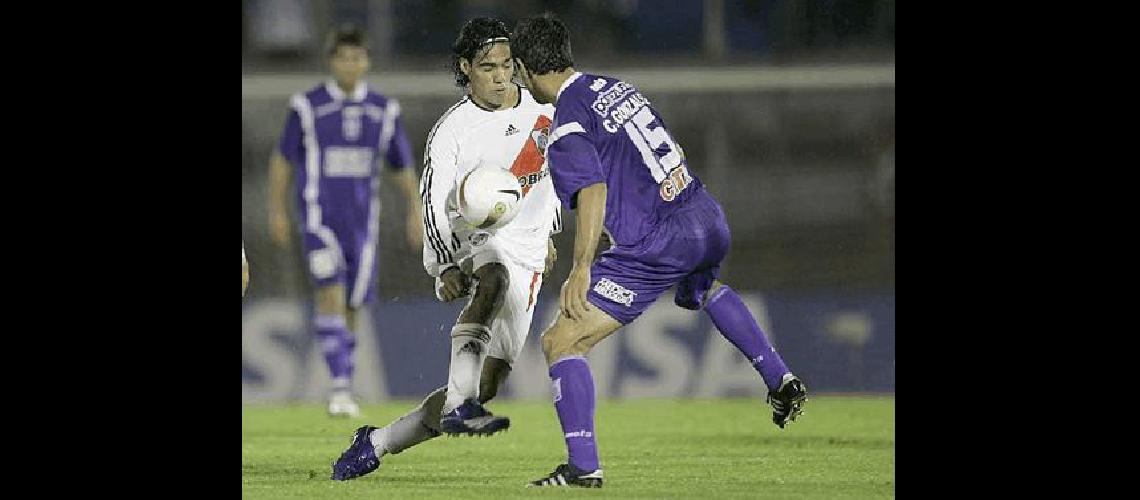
<point>685,249</point>
<point>338,253</point>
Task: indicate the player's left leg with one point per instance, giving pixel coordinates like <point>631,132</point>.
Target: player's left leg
<point>509,328</point>
<point>370,444</point>
<point>623,284</point>
<point>565,344</point>
<point>462,412</point>
<point>337,345</point>
<point>786,392</point>
<point>701,289</point>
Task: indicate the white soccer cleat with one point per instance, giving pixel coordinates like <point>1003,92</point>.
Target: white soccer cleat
<point>342,405</point>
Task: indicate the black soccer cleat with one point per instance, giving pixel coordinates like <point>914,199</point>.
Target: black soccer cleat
<point>569,475</point>
<point>788,401</point>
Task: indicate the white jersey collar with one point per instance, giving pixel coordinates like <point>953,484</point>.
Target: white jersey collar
<point>358,93</point>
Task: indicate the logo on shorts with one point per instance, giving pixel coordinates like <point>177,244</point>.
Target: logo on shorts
<point>478,238</point>
<point>557,389</point>
<point>614,292</point>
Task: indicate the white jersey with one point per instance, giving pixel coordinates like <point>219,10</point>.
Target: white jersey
<point>514,139</point>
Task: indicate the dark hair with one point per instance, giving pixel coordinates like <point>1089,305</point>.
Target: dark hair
<point>474,36</point>
<point>345,35</point>
<point>542,43</point>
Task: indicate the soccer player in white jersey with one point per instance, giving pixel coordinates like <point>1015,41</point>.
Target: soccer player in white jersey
<point>497,124</point>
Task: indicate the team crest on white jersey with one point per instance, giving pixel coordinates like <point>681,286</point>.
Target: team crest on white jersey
<point>541,137</point>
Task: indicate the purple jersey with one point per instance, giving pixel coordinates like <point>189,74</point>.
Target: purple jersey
<point>606,131</point>
<point>335,142</point>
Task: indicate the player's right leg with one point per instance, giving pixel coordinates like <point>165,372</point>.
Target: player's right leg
<point>326,266</point>
<point>462,413</point>
<point>370,444</point>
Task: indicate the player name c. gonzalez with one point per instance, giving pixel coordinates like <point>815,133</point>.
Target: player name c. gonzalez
<point>623,112</point>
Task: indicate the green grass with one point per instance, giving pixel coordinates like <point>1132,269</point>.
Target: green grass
<point>843,447</point>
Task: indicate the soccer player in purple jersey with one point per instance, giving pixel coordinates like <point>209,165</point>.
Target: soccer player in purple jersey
<point>334,138</point>
<point>612,158</point>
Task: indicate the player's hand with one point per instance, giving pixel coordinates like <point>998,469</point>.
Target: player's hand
<point>415,229</point>
<point>456,284</point>
<point>551,257</point>
<point>279,228</point>
<point>573,301</point>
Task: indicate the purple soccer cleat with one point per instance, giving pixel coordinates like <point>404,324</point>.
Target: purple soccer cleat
<point>359,459</point>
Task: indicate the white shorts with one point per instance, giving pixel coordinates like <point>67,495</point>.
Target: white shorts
<point>511,324</point>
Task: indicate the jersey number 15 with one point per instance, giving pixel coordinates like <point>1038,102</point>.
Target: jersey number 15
<point>665,169</point>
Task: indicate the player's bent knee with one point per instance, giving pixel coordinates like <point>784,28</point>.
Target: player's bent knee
<point>561,340</point>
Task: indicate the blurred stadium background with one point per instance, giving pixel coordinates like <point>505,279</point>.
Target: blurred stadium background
<point>785,109</point>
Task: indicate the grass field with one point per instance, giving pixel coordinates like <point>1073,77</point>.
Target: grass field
<point>843,447</point>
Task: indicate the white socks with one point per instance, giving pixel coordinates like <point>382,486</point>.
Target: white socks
<point>468,350</point>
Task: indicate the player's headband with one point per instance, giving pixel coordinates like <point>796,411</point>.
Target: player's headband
<point>496,39</point>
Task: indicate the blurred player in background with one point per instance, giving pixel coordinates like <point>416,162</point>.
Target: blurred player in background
<point>613,159</point>
<point>496,125</point>
<point>334,139</point>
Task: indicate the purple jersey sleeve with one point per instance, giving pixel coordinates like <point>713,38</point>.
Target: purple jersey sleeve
<point>291,145</point>
<point>574,165</point>
<point>399,149</point>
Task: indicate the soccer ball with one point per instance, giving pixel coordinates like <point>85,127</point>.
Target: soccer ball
<point>489,197</point>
